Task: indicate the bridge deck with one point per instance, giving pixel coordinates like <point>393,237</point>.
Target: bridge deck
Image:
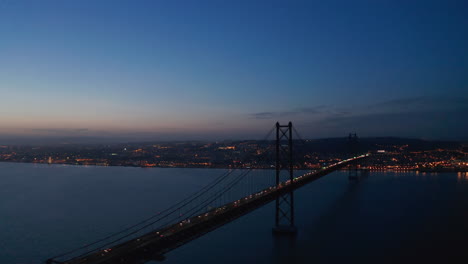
<point>153,245</point>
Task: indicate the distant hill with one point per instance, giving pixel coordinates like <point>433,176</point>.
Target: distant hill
<point>377,143</point>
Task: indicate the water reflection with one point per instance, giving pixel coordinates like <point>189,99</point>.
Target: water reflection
<point>462,176</point>
<point>339,220</point>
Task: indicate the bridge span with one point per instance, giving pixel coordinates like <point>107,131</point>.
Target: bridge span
<point>153,245</point>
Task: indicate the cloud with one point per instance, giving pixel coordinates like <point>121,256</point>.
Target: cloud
<point>432,117</point>
<point>263,115</point>
<point>436,125</point>
<point>400,102</point>
<point>419,104</point>
<point>440,117</point>
<point>60,130</point>
<point>315,110</point>
<point>428,117</point>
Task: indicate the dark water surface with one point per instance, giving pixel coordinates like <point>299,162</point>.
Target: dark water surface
<point>385,218</point>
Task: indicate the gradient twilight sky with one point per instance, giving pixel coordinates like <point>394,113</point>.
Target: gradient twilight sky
<point>231,69</point>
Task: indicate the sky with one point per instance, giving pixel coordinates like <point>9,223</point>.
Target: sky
<point>206,70</point>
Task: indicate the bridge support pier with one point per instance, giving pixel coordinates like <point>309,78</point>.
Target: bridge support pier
<point>353,147</point>
<point>284,218</point>
<point>354,173</point>
<point>285,230</point>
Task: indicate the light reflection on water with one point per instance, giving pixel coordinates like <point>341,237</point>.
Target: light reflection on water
<point>46,209</point>
<point>462,176</point>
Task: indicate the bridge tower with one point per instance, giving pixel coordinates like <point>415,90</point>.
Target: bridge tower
<point>284,218</point>
<point>353,147</point>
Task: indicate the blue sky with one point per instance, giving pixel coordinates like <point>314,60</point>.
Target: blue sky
<point>230,69</point>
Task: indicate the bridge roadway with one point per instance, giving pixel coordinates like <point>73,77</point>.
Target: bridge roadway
<point>153,245</point>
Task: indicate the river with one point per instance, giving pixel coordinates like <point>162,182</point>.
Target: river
<point>385,217</point>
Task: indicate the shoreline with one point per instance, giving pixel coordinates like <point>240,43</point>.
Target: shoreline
<point>439,170</point>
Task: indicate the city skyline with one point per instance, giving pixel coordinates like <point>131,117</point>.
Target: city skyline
<point>212,70</point>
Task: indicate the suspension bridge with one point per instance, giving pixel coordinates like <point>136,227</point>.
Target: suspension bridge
<point>208,209</point>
